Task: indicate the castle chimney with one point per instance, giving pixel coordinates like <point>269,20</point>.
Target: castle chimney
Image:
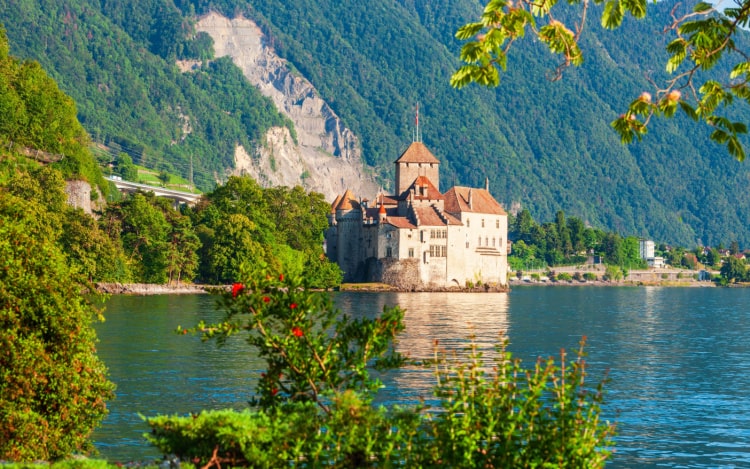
<point>486,183</point>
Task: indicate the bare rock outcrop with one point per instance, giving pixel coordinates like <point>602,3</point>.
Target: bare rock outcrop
<point>327,157</point>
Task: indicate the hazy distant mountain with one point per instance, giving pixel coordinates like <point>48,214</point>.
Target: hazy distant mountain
<point>545,146</point>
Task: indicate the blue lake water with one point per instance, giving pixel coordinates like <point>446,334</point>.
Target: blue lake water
<point>678,359</point>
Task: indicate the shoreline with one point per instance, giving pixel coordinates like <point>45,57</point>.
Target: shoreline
<point>146,289</point>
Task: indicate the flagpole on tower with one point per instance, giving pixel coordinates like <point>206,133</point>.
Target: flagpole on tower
<point>418,138</point>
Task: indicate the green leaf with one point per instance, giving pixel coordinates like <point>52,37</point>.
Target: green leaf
<point>637,8</point>
<point>736,149</point>
<point>719,136</point>
<point>468,31</point>
<point>689,110</point>
<point>741,68</point>
<point>612,15</point>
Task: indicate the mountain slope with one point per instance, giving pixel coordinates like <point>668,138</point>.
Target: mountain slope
<point>545,146</point>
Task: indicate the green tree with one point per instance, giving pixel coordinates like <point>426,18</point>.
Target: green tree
<point>612,248</point>
<point>522,228</point>
<point>144,237</point>
<point>53,387</point>
<point>713,257</point>
<point>734,247</point>
<point>183,244</point>
<point>96,255</point>
<point>733,270</point>
<point>577,231</point>
<point>125,168</point>
<point>702,39</point>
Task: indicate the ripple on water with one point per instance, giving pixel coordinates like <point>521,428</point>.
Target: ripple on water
<point>678,361</point>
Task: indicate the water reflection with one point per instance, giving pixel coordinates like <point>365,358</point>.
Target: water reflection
<point>446,317</point>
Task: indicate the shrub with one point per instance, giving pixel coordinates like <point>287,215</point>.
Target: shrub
<point>564,277</point>
<point>589,276</point>
<point>52,385</point>
<point>315,397</point>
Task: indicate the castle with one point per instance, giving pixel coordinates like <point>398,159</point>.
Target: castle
<point>419,238</point>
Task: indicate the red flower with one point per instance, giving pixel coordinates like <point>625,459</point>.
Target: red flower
<point>184,331</point>
<point>297,332</point>
<point>293,306</point>
<point>266,299</point>
<point>274,391</point>
<point>237,289</point>
<point>281,277</point>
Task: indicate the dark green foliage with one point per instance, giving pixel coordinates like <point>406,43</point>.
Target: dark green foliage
<point>37,116</point>
<point>281,228</point>
<point>733,270</point>
<point>567,242</point>
<point>160,240</point>
<point>52,386</point>
<point>94,252</point>
<point>116,59</point>
<point>545,145</point>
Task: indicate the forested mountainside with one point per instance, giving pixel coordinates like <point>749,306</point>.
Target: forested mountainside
<point>544,145</point>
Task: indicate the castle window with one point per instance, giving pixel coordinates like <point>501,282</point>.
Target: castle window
<point>411,252</point>
<point>493,242</point>
<point>486,241</point>
<point>497,224</point>
<point>437,251</point>
<point>468,224</point>
<point>482,222</point>
<point>388,235</point>
<point>388,252</point>
<point>479,242</point>
<point>443,251</point>
<point>467,245</point>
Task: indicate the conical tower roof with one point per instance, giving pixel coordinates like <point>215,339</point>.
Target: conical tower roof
<point>348,201</point>
<point>417,153</point>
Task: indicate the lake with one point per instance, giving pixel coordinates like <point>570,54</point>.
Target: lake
<point>678,359</point>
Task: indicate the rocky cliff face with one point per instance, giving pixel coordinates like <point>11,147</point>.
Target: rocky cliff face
<point>327,157</point>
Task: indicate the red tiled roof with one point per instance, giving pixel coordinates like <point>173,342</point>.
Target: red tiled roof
<point>335,204</point>
<point>400,222</point>
<point>427,216</point>
<point>417,153</point>
<point>389,200</point>
<point>348,202</point>
<point>432,193</point>
<point>457,200</point>
<point>431,216</point>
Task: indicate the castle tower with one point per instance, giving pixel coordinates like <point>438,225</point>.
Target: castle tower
<point>414,162</point>
<point>348,232</point>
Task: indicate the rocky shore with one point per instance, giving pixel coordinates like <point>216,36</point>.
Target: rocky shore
<point>151,289</point>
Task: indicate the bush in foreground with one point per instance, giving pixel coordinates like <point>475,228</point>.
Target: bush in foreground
<point>315,399</point>
<point>53,387</point>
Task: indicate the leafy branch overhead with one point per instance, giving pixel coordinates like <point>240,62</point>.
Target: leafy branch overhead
<point>703,37</point>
